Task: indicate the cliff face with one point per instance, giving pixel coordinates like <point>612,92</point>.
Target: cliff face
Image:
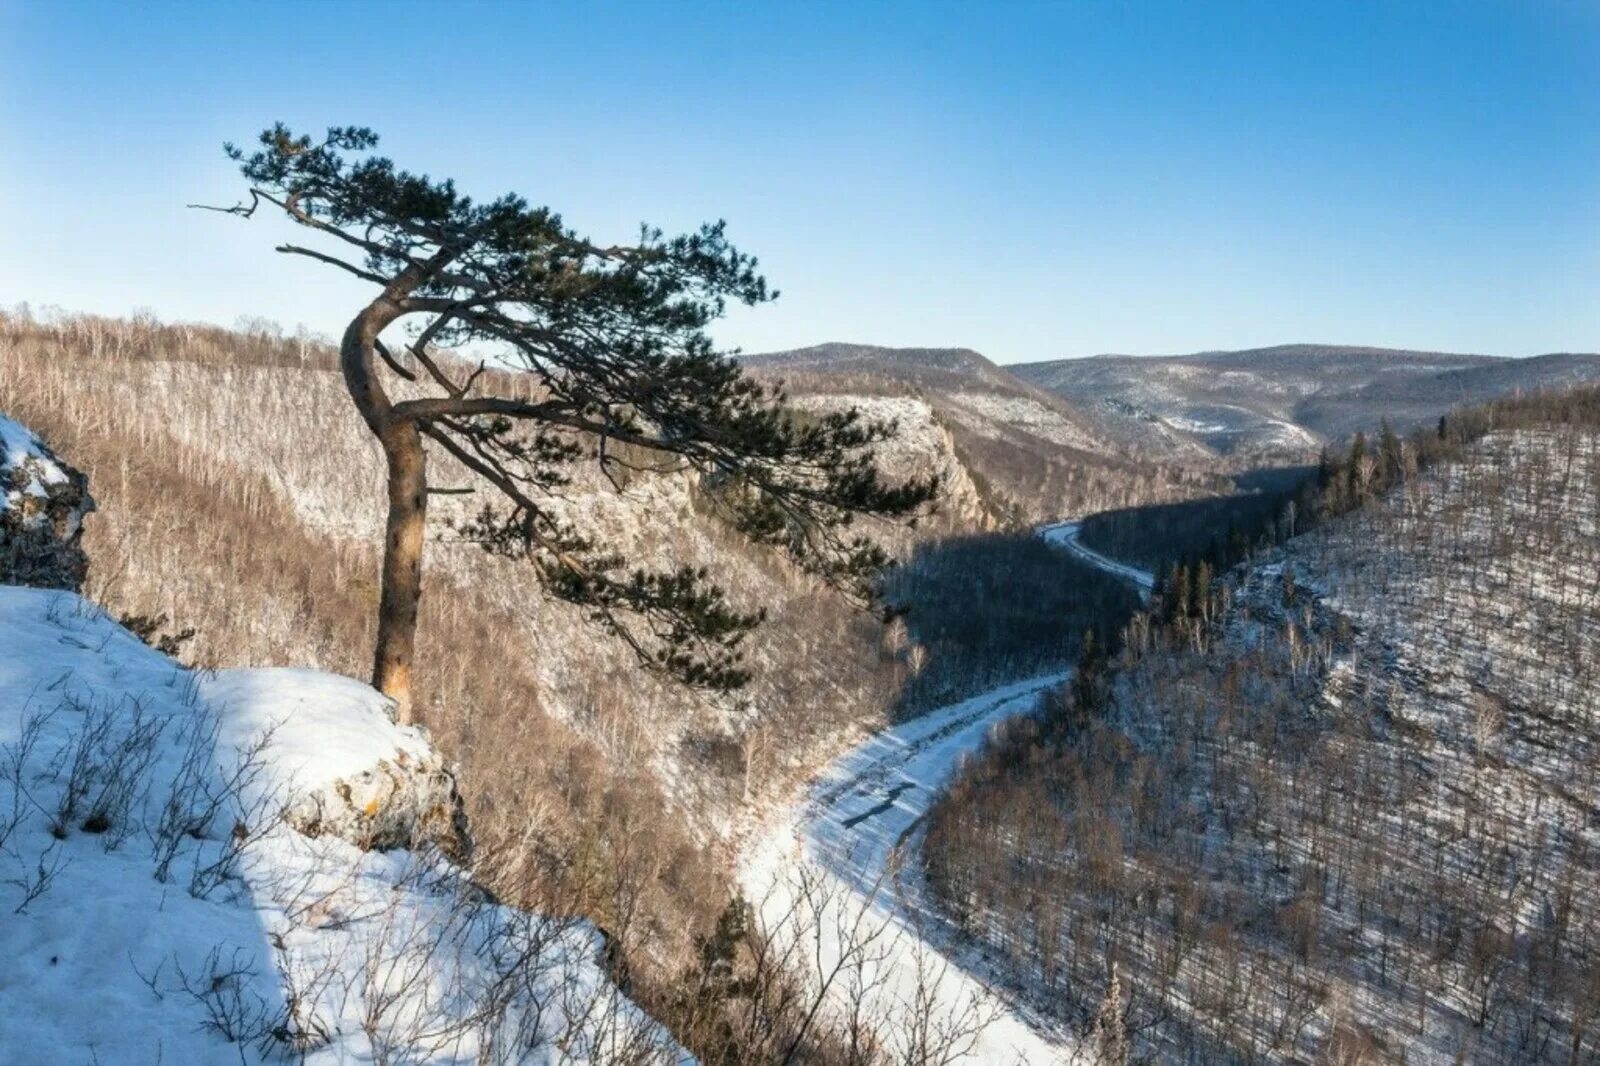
<point>41,513</point>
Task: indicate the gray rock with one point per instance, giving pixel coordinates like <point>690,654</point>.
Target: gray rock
<point>43,502</point>
<point>407,803</point>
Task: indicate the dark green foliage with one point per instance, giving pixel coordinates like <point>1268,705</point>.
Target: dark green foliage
<point>1187,592</point>
<point>1391,455</point>
<point>1091,686</point>
<point>1352,465</point>
<point>719,951</point>
<point>584,353</point>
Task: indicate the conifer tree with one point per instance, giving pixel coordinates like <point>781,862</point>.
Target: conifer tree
<point>1088,684</point>
<point>578,351</point>
<point>1358,452</point>
<point>1391,454</point>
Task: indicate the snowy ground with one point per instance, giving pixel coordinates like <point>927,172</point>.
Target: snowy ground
<point>154,906</point>
<point>1066,535</point>
<point>829,872</point>
<point>832,871</point>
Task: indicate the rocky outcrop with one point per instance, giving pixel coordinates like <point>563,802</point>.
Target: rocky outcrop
<point>336,763</point>
<point>43,502</point>
<point>408,802</point>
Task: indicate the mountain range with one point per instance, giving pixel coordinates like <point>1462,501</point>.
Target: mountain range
<point>1258,404</point>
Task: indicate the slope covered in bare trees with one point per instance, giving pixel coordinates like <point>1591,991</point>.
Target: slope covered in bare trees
<point>240,508</point>
<point>1290,399</point>
<point>239,500</point>
<point>1024,455</point>
<point>1338,805</point>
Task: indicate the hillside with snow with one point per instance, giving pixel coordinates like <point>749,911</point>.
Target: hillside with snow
<point>1340,805</point>
<point>244,865</point>
<point>230,470</point>
<point>1028,454</point>
<point>1291,399</point>
<point>168,896</point>
<point>886,805</point>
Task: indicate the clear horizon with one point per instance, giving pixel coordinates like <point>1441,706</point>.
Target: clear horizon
<point>1030,182</point>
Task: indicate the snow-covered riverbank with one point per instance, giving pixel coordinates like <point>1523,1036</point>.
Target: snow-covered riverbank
<point>828,873</point>
<point>1068,535</point>
<point>835,877</point>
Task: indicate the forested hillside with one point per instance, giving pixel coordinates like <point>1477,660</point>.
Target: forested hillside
<point>1028,455</point>
<point>229,469</point>
<point>1338,804</point>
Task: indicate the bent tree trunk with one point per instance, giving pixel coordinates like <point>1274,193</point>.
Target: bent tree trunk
<point>408,501</point>
<point>402,566</point>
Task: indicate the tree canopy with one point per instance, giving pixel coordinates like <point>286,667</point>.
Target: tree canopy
<point>609,363</point>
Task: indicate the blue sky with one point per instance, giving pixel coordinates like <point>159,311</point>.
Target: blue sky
<point>1034,180</point>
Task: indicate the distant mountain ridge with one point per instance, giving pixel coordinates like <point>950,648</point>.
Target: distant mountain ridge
<point>1031,454</point>
<point>951,371</point>
<point>1291,398</point>
<point>932,366</point>
<point>1305,353</point>
<point>835,353</point>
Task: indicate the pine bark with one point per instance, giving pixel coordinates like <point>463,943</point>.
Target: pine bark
<point>402,567</point>
<point>408,502</point>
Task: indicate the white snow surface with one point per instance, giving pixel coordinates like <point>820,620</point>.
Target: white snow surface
<point>324,727</point>
<point>841,847</point>
<point>1068,535</point>
<point>20,449</point>
<point>382,956</point>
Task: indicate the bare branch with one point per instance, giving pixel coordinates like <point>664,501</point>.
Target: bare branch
<point>364,275</point>
<point>388,358</point>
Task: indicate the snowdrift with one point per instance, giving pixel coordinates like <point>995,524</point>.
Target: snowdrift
<point>159,903</point>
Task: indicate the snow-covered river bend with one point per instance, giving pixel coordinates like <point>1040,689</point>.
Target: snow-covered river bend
<point>836,881</point>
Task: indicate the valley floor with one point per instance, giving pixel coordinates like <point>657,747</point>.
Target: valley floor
<point>834,881</point>
<point>1067,535</point>
<point>828,881</point>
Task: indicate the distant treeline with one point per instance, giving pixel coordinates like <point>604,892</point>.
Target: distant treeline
<point>1219,529</point>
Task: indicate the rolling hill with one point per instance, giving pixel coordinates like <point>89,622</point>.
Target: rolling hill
<point>1028,454</point>
<point>1291,399</point>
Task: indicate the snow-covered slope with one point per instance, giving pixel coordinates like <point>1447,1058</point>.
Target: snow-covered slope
<point>1032,454</point>
<point>1343,809</point>
<point>158,907</point>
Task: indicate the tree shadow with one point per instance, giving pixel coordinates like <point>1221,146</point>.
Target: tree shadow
<point>969,613</point>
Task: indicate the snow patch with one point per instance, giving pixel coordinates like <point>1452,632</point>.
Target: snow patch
<point>158,907</point>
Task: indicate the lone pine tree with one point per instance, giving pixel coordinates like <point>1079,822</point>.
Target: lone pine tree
<point>607,350</point>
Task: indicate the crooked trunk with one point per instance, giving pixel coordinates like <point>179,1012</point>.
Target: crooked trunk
<point>402,566</point>
<point>408,502</point>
